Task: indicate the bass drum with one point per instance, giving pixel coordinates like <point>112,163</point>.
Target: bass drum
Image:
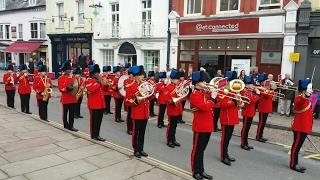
<point>122,91</point>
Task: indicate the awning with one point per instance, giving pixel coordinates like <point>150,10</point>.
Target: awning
<point>23,47</point>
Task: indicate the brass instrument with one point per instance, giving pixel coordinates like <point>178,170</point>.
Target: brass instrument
<point>266,91</point>
<point>11,79</point>
<point>182,91</point>
<point>80,92</point>
<point>74,86</point>
<point>286,87</point>
<point>145,90</point>
<point>47,90</point>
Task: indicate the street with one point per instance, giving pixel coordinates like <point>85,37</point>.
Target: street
<point>266,161</point>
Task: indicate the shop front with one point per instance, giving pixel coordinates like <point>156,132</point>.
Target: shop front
<point>74,47</point>
<point>229,44</point>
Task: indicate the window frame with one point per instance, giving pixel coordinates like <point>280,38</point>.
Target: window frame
<point>80,13</point>
<point>186,9</point>
<point>60,16</point>
<point>115,25</point>
<point>20,31</point>
<point>32,2</point>
<point>3,7</point>
<point>146,55</point>
<point>7,32</point>
<point>259,2</point>
<point>1,32</point>
<point>228,11</point>
<point>39,31</point>
<point>146,24</point>
<point>106,54</point>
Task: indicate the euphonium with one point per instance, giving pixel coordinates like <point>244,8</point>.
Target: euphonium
<point>80,92</point>
<point>47,90</point>
<point>145,90</point>
<point>182,92</point>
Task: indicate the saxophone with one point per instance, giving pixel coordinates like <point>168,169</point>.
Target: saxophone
<point>47,90</point>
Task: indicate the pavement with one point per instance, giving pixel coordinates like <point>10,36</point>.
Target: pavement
<point>274,120</point>
<point>31,149</point>
<point>267,160</point>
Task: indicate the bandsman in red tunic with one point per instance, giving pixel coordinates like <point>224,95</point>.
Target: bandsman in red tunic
<point>127,84</point>
<point>152,80</point>
<point>202,125</point>
<point>68,100</point>
<point>184,100</point>
<point>118,99</point>
<point>77,74</point>
<point>96,103</point>
<point>140,112</point>
<point>162,90</point>
<point>174,109</point>
<point>249,110</point>
<point>265,106</point>
<point>107,77</point>
<point>10,80</point>
<point>42,85</point>
<point>302,122</point>
<point>24,89</point>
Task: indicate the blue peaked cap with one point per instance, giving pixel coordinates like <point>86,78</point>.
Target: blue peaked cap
<point>162,74</point>
<point>174,74</point>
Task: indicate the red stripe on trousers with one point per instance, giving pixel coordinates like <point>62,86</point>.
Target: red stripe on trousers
<point>91,123</point>
<point>194,150</point>
<point>244,126</point>
<point>168,127</point>
<point>222,142</point>
<point>133,131</point>
<point>293,152</point>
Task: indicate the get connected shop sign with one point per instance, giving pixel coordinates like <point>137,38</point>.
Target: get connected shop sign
<point>229,26</point>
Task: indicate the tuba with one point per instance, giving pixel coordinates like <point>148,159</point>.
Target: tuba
<point>47,90</point>
<point>145,90</point>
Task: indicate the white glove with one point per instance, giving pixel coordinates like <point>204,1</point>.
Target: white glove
<point>214,95</point>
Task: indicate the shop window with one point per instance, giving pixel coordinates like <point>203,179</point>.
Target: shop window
<point>241,44</point>
<point>269,4</point>
<point>228,5</point>
<point>271,57</point>
<point>193,6</point>
<point>221,44</point>
<point>186,55</point>
<point>231,44</point>
<point>272,44</point>
<point>80,4</point>
<point>252,45</point>
<point>187,45</point>
<point>108,57</point>
<point>20,31</point>
<point>151,59</point>
<point>203,44</point>
<point>2,5</point>
<point>212,44</point>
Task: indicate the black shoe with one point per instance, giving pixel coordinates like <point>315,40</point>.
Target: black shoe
<point>99,139</point>
<point>263,140</point>
<point>28,113</point>
<point>303,168</point>
<point>206,176</point>
<point>73,129</point>
<point>80,116</point>
<point>120,120</point>
<point>137,154</point>
<point>281,114</point>
<point>218,129</point>
<point>144,154</point>
<point>76,116</point>
<point>226,161</point>
<point>176,144</point>
<point>298,169</point>
<point>129,132</point>
<point>163,125</point>
<point>250,147</point>
<point>153,115</point>
<point>245,147</point>
<point>197,176</point>
<point>105,113</point>
<point>160,126</point>
<point>110,112</point>
<point>182,122</point>
<point>231,159</point>
<point>170,144</point>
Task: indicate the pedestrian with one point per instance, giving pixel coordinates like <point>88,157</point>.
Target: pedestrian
<point>202,124</point>
<point>139,112</point>
<point>162,89</point>
<point>216,111</point>
<point>156,73</point>
<point>284,106</point>
<point>242,75</point>
<point>96,102</point>
<point>10,80</point>
<point>43,88</point>
<point>174,109</point>
<point>302,123</point>
<point>183,82</point>
<point>24,89</point>
<point>68,99</point>
<point>77,75</point>
<point>118,99</point>
<point>152,80</point>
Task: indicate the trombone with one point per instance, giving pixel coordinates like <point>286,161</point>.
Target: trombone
<point>286,87</point>
<point>266,91</point>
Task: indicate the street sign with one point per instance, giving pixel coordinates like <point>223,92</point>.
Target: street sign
<point>294,57</point>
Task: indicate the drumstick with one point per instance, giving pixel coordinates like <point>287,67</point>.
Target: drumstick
<point>313,144</point>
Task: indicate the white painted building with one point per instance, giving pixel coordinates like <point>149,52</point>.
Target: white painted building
<point>131,31</point>
<point>22,31</point>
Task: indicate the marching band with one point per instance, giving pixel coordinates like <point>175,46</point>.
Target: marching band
<point>221,98</point>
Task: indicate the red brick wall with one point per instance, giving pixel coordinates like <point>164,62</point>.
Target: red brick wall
<point>178,6</point>
<point>209,7</point>
<point>285,2</point>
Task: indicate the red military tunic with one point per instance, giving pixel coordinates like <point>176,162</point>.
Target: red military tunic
<point>95,94</point>
<point>65,81</point>
<point>139,111</point>
<point>228,111</point>
<point>86,72</point>
<point>202,116</point>
<point>163,91</point>
<point>173,109</point>
<point>116,93</point>
<point>107,89</point>
<point>127,84</point>
<point>265,104</point>
<point>249,109</point>
<point>7,81</point>
<point>39,86</point>
<point>24,84</point>
<point>36,72</point>
<point>303,120</point>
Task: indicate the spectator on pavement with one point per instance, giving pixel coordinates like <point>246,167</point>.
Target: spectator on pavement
<point>242,75</point>
<point>285,103</point>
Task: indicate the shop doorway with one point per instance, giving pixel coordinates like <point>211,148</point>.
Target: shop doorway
<point>21,58</point>
<point>132,59</point>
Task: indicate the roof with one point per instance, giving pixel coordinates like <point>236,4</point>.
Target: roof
<point>22,4</point>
